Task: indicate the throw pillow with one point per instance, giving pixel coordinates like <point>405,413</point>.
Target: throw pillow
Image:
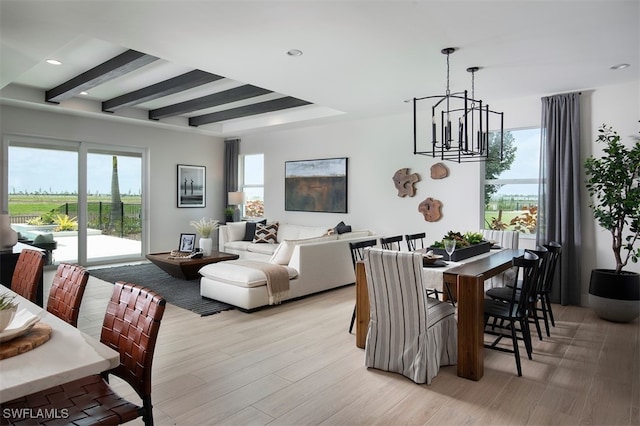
<point>250,230</point>
<point>266,233</point>
<point>236,230</point>
<point>341,228</point>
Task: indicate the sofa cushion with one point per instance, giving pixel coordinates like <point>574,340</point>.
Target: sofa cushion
<point>283,253</point>
<point>237,245</point>
<point>250,231</point>
<point>243,276</point>
<point>287,231</point>
<point>236,230</point>
<point>261,248</point>
<point>266,233</point>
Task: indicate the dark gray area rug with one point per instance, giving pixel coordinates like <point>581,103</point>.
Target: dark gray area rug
<point>182,293</point>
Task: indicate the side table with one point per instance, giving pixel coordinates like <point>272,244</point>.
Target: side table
<point>187,269</point>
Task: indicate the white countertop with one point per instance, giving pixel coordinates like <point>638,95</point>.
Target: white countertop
<point>68,355</point>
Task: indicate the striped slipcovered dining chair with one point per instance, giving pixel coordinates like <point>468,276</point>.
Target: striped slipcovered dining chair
<point>409,333</point>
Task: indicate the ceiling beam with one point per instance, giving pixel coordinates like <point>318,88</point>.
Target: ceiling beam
<point>244,111</point>
<point>113,68</point>
<point>164,88</point>
<point>232,95</point>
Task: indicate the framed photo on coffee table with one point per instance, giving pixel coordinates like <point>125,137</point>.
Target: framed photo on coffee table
<point>187,243</point>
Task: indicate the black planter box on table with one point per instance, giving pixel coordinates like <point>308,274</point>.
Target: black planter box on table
<point>463,253</point>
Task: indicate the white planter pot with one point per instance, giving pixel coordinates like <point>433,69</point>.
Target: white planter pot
<point>206,245</point>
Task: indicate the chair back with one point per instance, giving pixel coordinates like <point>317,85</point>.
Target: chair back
<point>357,250</point>
<point>66,292</point>
<point>131,326</point>
<point>27,274</point>
<point>412,240</point>
<point>400,338</point>
<point>505,239</point>
<point>555,249</point>
<point>529,265</point>
<point>543,263</point>
<point>391,243</point>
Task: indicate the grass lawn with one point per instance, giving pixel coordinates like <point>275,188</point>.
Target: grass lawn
<point>20,205</point>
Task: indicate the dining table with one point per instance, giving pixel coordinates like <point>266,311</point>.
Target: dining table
<point>68,354</point>
<point>466,279</point>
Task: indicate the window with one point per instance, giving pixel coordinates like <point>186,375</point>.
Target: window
<point>253,185</point>
<point>91,206</point>
<point>511,186</point>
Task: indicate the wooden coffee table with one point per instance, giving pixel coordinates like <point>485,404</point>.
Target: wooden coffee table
<point>187,269</point>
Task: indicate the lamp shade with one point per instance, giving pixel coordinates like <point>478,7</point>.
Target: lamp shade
<point>235,198</point>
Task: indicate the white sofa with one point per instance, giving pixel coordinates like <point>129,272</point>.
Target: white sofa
<point>314,260</point>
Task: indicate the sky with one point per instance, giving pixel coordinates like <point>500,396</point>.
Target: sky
<point>52,171</point>
<point>526,163</point>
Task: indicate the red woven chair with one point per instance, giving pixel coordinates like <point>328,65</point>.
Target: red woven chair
<point>66,292</point>
<point>27,274</point>
<point>130,326</point>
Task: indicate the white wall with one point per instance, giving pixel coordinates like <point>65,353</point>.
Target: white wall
<point>376,148</point>
<point>166,149</point>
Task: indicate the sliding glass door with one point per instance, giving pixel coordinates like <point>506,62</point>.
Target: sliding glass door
<point>114,205</point>
<point>81,203</point>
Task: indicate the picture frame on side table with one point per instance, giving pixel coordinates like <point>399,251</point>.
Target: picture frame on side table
<point>187,243</point>
<point>316,185</point>
<point>191,186</point>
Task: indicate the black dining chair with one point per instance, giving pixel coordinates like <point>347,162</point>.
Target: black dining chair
<point>555,250</point>
<point>505,293</point>
<point>357,253</point>
<point>391,243</point>
<point>416,242</point>
<point>513,314</point>
<point>413,240</point>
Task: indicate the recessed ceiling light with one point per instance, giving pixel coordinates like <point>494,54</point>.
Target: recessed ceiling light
<point>619,66</point>
<point>84,93</point>
<point>294,52</point>
<point>54,62</point>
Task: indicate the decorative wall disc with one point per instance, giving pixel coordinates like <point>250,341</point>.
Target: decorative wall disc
<point>439,171</point>
<point>431,209</point>
<point>405,182</point>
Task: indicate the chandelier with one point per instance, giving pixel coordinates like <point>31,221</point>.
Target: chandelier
<point>459,124</point>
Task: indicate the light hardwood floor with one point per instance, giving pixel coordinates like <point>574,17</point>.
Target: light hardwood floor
<point>296,364</point>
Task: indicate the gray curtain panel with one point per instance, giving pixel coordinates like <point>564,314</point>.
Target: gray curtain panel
<point>231,152</point>
<point>559,208</point>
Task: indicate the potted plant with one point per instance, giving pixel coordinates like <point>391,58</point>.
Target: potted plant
<point>228,214</point>
<point>205,227</point>
<point>613,183</point>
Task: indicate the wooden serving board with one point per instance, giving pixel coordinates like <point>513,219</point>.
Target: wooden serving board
<point>38,335</point>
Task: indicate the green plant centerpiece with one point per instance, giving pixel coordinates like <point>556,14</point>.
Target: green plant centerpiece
<point>467,245</point>
<point>613,183</point>
<point>8,309</point>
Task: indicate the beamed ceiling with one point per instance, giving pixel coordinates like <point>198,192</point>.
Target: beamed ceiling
<point>221,67</point>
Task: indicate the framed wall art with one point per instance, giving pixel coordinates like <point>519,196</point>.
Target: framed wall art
<point>316,185</point>
<point>191,186</point>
